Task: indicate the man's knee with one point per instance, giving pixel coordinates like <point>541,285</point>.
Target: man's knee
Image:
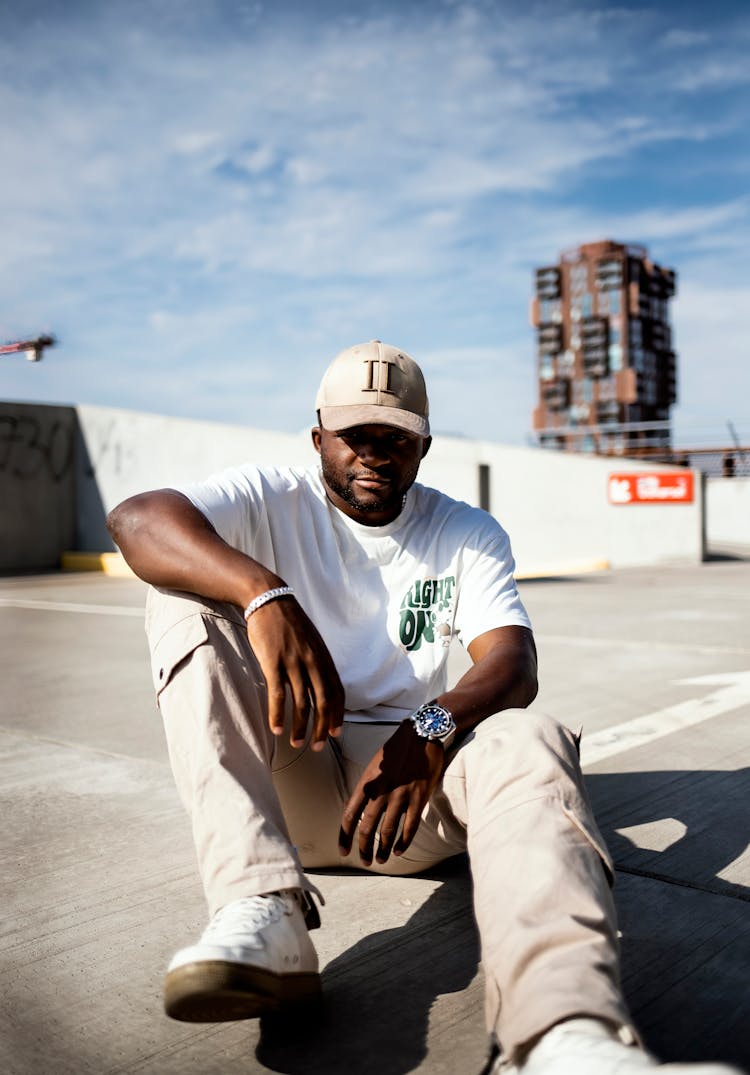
<point>527,727</point>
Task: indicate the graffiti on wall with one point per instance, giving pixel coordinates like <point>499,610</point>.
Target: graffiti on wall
<point>107,448</point>
<point>30,448</point>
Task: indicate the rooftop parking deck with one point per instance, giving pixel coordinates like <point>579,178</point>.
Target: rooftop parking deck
<point>99,885</point>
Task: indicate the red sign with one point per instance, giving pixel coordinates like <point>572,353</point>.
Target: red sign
<point>653,488</point>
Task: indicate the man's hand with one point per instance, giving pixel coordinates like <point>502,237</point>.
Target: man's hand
<point>290,651</point>
<point>170,544</point>
<point>395,787</point>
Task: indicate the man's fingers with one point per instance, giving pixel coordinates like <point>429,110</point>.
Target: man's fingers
<point>327,696</point>
<point>291,651</point>
<point>349,820</point>
<point>276,697</point>
<point>389,827</point>
<point>412,818</point>
<point>368,827</point>
<point>298,685</point>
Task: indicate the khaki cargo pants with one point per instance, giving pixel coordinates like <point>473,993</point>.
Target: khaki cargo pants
<point>512,796</point>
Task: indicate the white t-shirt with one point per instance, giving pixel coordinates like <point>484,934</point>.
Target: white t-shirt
<point>387,600</point>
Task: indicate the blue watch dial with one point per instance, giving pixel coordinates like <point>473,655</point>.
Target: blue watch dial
<point>432,721</point>
<point>435,721</point>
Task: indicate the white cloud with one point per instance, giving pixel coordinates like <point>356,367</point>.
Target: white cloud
<point>682,39</point>
<point>176,181</point>
<point>715,74</point>
<point>195,142</point>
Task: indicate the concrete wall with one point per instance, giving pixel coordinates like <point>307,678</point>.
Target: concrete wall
<point>62,469</point>
<point>37,485</point>
<point>556,510</point>
<point>127,452</point>
<point>554,506</point>
<point>728,512</point>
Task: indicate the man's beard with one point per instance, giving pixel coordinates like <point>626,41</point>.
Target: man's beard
<point>344,489</point>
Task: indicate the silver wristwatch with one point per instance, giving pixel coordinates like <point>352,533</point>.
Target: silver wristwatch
<point>433,721</point>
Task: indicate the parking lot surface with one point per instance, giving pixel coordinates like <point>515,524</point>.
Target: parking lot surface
<point>99,885</point>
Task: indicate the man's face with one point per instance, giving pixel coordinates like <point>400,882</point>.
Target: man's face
<point>368,469</point>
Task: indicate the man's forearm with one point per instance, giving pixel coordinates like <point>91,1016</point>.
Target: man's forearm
<point>169,543</point>
<point>502,677</point>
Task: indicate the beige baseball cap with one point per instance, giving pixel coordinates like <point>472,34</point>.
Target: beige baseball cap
<point>374,383</point>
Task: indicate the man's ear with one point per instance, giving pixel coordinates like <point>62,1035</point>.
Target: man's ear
<point>426,446</point>
<point>315,434</point>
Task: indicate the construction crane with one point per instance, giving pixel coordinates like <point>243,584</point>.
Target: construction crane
<point>34,349</point>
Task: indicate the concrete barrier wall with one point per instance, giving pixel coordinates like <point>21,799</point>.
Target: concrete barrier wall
<point>556,510</point>
<point>127,452</point>
<point>63,468</point>
<point>728,512</point>
<point>554,506</point>
<point>37,485</point>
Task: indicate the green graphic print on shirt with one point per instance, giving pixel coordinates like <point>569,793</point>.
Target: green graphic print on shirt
<point>421,610</point>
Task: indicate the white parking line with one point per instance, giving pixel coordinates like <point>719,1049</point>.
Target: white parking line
<point>587,642</point>
<point>69,606</point>
<point>732,692</point>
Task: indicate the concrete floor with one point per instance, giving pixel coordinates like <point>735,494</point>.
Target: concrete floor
<point>98,884</point>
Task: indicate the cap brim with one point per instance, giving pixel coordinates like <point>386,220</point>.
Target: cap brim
<point>363,414</point>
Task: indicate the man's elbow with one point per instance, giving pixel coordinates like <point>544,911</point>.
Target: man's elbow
<point>530,688</point>
<point>119,520</point>
<point>112,522</point>
<point>127,520</point>
<point>529,685</point>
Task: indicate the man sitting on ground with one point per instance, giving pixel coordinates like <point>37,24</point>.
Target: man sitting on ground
<point>299,623</point>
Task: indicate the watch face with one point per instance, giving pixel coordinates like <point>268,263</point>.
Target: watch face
<point>435,722</point>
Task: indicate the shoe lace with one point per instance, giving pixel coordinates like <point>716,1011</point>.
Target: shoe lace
<point>242,918</point>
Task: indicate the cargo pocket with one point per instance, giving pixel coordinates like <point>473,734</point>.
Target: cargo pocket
<point>174,647</point>
<point>579,814</point>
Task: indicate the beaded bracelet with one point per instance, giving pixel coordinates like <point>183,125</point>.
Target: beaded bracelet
<point>264,598</point>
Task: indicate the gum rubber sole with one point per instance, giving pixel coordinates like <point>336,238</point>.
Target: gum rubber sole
<point>216,992</point>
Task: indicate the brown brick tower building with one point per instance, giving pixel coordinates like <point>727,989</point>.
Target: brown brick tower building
<point>607,371</point>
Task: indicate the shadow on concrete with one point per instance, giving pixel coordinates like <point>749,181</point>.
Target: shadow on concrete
<point>379,993</point>
<point>685,940</point>
<point>685,928</point>
<point>729,552</point>
<point>586,578</point>
<point>91,534</point>
<point>712,831</point>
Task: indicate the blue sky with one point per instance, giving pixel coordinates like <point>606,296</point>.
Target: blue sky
<point>206,201</point>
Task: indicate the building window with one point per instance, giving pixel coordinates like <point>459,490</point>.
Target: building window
<point>615,356</point>
<point>606,388</point>
<point>578,278</point>
<point>546,368</point>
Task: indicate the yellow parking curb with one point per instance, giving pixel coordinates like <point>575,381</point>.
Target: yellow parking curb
<point>111,563</point>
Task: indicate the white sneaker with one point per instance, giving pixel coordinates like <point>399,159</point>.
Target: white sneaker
<point>255,956</point>
<point>591,1047</point>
